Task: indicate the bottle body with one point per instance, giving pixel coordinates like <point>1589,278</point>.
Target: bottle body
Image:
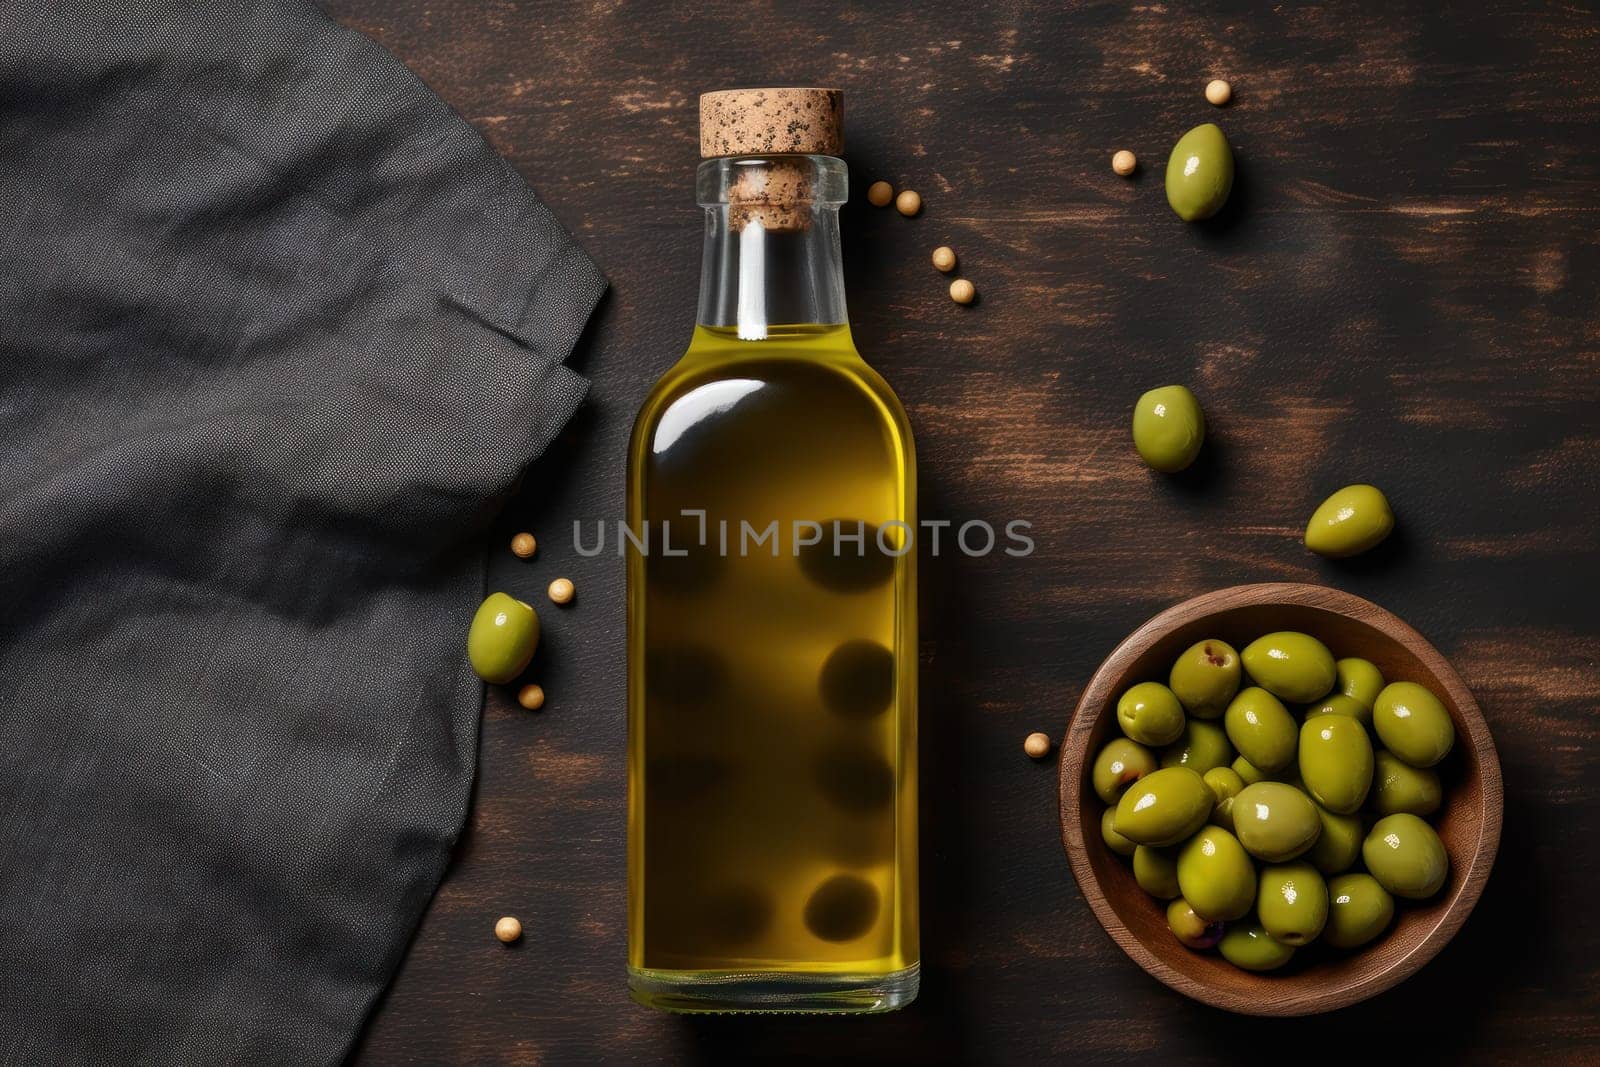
<point>772,676</point>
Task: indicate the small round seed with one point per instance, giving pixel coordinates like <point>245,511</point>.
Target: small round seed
<point>879,194</point>
<point>908,203</point>
<point>508,929</point>
<point>963,291</point>
<point>1219,92</point>
<point>561,590</point>
<point>1124,162</point>
<point>531,697</point>
<point>523,546</point>
<point>944,258</point>
<point>1037,745</point>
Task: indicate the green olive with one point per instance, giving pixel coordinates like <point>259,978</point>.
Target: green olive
<point>1275,822</point>
<point>1336,762</point>
<point>1119,765</point>
<point>1339,704</point>
<point>1156,871</point>
<point>1406,856</point>
<point>1291,666</point>
<point>1248,772</point>
<point>1339,845</point>
<point>1168,428</point>
<point>1397,786</point>
<point>1108,833</point>
<point>1225,782</point>
<point>1359,909</point>
<point>1215,874</point>
<point>1222,814</point>
<point>1164,807</point>
<point>1413,724</point>
<point>1149,714</point>
<point>1262,729</point>
<point>1292,903</point>
<point>1189,927</point>
<point>1200,173</point>
<point>503,637</point>
<point>1360,680</point>
<point>1350,521</point>
<point>1249,947</point>
<point>1205,678</point>
<point>1203,746</point>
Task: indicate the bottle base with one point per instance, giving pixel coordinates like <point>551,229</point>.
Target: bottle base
<point>734,991</point>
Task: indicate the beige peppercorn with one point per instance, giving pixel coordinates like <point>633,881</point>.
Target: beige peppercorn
<point>944,258</point>
<point>508,929</point>
<point>879,194</point>
<point>1037,745</point>
<point>531,697</point>
<point>523,546</point>
<point>1124,162</point>
<point>908,203</point>
<point>561,590</point>
<point>963,291</point>
<point>1219,92</point>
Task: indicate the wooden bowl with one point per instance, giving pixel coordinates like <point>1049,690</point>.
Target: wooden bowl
<point>1319,978</point>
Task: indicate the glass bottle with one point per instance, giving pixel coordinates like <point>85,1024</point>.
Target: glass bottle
<point>772,648</point>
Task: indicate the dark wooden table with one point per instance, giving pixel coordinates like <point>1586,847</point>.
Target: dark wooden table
<point>1403,290</point>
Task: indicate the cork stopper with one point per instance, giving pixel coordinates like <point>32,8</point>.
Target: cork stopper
<point>757,122</point>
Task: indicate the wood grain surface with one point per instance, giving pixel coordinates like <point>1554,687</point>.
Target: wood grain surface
<point>1403,289</point>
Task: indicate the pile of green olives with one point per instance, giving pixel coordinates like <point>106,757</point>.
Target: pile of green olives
<point>1276,797</point>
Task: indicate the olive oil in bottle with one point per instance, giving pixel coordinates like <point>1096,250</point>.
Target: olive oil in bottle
<point>772,610</point>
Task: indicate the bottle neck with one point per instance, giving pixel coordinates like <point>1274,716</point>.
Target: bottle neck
<point>772,243</point>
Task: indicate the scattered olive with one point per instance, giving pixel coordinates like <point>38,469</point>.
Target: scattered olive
<point>879,194</point>
<point>502,639</point>
<point>1037,745</point>
<point>1168,428</point>
<point>1350,521</point>
<point>1200,173</point>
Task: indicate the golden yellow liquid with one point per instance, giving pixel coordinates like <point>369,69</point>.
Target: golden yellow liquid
<point>772,699</point>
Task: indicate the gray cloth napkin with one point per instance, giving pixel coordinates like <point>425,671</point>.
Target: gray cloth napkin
<point>276,326</point>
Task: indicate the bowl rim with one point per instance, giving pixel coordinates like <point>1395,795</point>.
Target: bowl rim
<point>1096,697</point>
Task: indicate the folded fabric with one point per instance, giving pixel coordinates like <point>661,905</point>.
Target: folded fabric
<point>276,327</point>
